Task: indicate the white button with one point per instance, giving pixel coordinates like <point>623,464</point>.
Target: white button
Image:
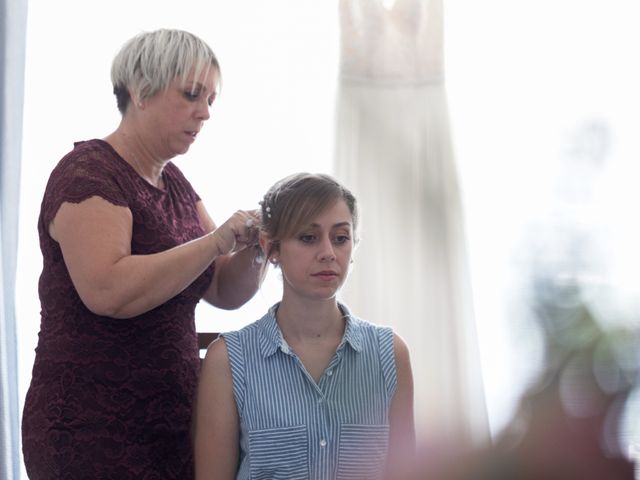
<point>329,372</point>
<point>323,443</point>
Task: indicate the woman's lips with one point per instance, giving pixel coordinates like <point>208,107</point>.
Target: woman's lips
<point>326,275</point>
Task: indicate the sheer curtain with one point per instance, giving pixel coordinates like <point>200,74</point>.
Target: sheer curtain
<point>393,149</point>
<point>12,29</point>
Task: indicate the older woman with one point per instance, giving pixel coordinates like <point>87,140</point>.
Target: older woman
<point>128,251</point>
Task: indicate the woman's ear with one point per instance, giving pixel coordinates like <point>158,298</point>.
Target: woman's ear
<point>265,244</point>
<point>354,251</point>
<point>270,248</point>
<point>134,97</point>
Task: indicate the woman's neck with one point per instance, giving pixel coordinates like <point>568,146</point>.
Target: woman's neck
<point>133,149</point>
<point>301,321</point>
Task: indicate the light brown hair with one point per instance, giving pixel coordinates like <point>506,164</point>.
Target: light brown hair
<point>292,202</point>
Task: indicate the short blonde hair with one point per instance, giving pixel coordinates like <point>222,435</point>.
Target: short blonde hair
<point>150,61</point>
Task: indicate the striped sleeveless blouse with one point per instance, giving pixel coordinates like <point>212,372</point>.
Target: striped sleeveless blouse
<point>293,428</point>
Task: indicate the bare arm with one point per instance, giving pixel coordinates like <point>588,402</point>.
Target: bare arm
<point>95,238</point>
<point>216,422</point>
<point>402,438</point>
<point>237,275</point>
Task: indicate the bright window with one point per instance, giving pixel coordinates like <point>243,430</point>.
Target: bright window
<point>536,89</point>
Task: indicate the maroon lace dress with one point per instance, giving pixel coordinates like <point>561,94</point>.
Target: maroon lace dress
<point>109,398</point>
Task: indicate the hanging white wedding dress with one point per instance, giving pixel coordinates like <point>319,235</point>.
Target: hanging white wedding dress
<point>393,149</point>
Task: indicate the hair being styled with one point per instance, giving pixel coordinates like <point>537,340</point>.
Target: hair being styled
<point>150,61</point>
<point>291,203</point>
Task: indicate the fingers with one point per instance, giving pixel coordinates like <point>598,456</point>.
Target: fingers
<point>248,233</point>
<point>239,231</point>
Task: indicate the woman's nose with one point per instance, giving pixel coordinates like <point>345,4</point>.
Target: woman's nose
<point>204,111</point>
<point>326,252</point>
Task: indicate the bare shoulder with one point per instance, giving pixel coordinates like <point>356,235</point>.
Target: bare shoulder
<point>216,359</point>
<point>74,216</point>
<point>403,360</point>
<point>400,347</point>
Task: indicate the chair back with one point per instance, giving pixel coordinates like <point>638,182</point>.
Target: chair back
<point>204,340</point>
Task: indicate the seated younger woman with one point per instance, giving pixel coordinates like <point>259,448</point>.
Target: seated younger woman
<point>309,391</point>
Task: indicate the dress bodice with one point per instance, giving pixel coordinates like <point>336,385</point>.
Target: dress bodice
<point>112,398</point>
<point>401,44</point>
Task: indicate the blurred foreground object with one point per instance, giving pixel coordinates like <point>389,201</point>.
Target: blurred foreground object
<point>569,422</point>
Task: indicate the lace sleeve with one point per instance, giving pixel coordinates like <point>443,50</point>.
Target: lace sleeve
<point>89,170</point>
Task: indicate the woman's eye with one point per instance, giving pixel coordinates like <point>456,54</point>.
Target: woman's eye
<point>307,238</point>
<point>340,239</point>
<point>192,96</point>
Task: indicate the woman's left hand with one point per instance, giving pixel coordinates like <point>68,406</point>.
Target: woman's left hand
<point>238,232</point>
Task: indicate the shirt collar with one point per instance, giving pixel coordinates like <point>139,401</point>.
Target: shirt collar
<point>272,340</point>
<point>352,331</point>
